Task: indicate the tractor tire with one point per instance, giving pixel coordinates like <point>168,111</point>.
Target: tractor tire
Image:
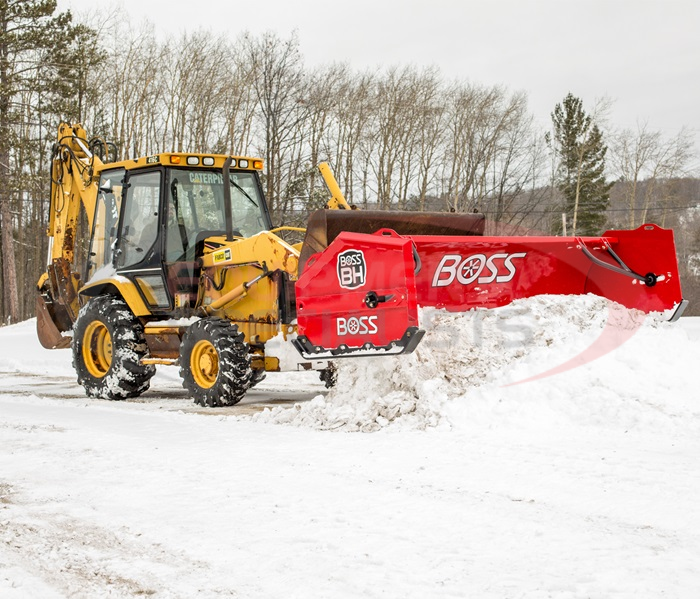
<point>215,363</point>
<point>108,345</point>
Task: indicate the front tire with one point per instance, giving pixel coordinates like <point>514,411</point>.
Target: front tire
<point>108,345</point>
<point>215,363</point>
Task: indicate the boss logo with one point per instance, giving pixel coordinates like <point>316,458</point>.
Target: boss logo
<point>479,268</point>
<point>364,325</point>
<point>352,269</point>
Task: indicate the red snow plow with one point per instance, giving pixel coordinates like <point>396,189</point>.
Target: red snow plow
<point>361,294</point>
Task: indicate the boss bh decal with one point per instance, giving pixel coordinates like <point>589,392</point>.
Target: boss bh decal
<point>364,325</point>
<point>478,267</point>
<point>352,269</point>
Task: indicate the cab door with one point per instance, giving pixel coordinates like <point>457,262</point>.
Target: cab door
<point>138,256</point>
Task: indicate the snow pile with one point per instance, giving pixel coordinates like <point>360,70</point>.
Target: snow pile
<point>461,354</point>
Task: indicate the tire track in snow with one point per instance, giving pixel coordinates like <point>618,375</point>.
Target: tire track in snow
<point>165,396</point>
<point>83,560</point>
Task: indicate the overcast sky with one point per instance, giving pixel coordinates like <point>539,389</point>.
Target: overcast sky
<point>643,55</point>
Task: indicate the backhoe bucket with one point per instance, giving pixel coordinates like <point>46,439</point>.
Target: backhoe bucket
<point>637,269</point>
<point>325,225</point>
<point>47,331</point>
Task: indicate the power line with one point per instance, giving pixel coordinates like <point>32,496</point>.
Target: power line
<point>626,210</point>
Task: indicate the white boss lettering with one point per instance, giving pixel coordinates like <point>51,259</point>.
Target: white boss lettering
<point>490,264</point>
<point>447,266</point>
<point>472,267</point>
<point>349,277</point>
<point>508,263</point>
<point>364,325</point>
<point>350,260</point>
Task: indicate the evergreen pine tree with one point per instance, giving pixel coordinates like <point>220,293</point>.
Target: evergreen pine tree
<point>29,32</point>
<point>580,176</point>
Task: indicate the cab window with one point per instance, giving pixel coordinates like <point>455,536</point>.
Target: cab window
<point>140,222</point>
<point>106,220</point>
<point>196,209</point>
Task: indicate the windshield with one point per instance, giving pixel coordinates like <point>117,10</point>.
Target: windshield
<point>196,209</point>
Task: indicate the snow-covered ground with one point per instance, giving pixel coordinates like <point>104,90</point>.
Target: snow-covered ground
<point>584,484</point>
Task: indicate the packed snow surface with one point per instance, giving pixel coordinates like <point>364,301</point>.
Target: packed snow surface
<point>545,449</point>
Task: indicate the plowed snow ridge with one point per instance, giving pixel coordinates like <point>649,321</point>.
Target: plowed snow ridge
<point>458,373</point>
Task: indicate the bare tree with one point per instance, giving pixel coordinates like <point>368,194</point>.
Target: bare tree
<point>278,84</point>
<point>431,134</point>
<point>238,106</point>
<point>352,119</point>
<point>645,161</point>
<point>128,80</point>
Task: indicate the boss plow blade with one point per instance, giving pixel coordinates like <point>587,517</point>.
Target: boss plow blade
<point>361,294</point>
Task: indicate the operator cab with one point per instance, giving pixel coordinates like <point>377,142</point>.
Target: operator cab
<point>151,224</point>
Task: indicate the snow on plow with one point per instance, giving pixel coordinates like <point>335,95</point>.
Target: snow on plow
<point>361,294</point>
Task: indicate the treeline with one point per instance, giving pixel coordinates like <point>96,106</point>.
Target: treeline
<point>397,138</point>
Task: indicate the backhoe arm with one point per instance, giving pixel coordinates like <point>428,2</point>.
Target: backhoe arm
<point>72,186</point>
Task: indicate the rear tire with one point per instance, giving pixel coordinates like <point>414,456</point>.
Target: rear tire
<point>108,345</point>
<point>215,363</point>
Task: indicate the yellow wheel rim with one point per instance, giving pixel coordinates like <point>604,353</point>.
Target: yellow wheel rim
<point>97,349</point>
<point>204,364</point>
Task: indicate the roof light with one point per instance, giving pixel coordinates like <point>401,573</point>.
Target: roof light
<point>175,160</point>
<point>258,164</point>
<point>208,161</point>
<point>192,160</point>
<point>243,163</point>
